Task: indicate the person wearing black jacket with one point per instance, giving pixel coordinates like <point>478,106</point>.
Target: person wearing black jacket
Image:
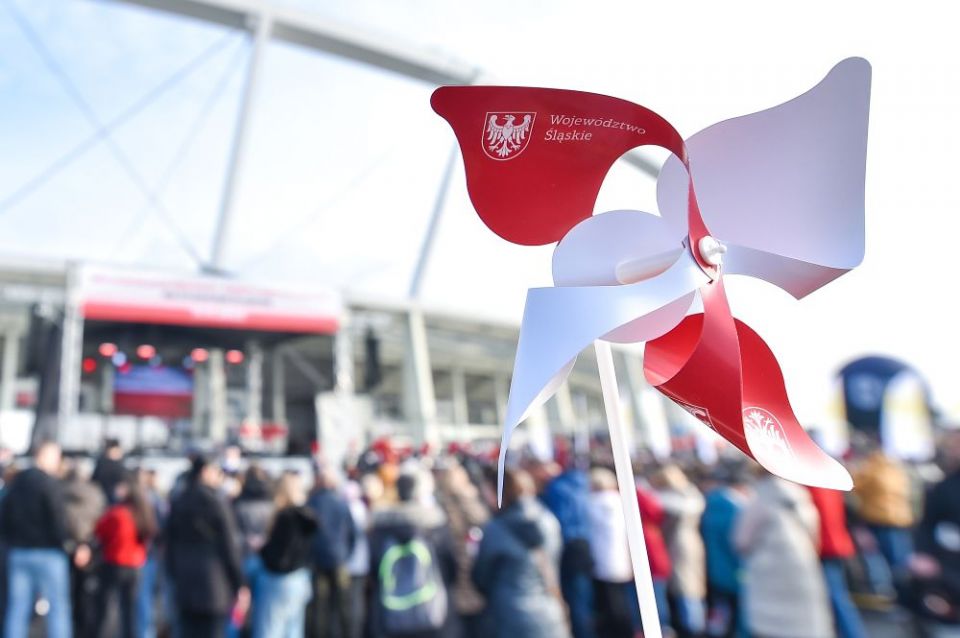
<point>203,555</point>
<point>936,565</point>
<point>110,470</point>
<point>283,585</point>
<point>34,528</point>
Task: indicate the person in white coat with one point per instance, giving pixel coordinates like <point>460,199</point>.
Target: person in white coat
<point>784,587</point>
<point>617,612</point>
<point>358,562</point>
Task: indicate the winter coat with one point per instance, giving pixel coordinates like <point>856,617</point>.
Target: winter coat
<point>466,514</point>
<point>784,588</point>
<point>521,587</point>
<point>723,506</point>
<point>254,513</point>
<point>938,533</point>
<point>203,552</point>
<point>882,487</point>
<point>33,514</point>
<point>402,523</point>
<point>108,474</point>
<point>652,517</point>
<point>289,546</point>
<point>567,497</point>
<point>335,532</point>
<point>683,507</point>
<point>84,503</point>
<point>835,540</point>
<point>120,543</point>
<point>608,538</point>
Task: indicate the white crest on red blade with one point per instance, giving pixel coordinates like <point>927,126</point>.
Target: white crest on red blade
<point>506,135</point>
<point>783,188</point>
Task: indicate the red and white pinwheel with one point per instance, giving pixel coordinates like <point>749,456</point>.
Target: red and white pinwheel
<point>777,195</point>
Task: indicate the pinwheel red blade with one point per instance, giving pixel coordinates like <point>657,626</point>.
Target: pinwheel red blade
<point>721,371</point>
<point>536,158</point>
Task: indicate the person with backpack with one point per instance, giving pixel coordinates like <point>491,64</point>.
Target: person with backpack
<point>282,590</point>
<point>412,555</point>
<point>124,532</point>
<point>329,612</point>
<point>517,565</point>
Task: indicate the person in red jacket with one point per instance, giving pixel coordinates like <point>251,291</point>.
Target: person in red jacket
<point>652,517</point>
<point>123,532</point>
<point>835,547</point>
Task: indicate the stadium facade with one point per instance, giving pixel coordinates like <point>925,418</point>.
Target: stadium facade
<point>337,374</point>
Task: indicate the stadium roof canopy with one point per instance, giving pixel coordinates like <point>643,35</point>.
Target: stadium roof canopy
<point>118,121</point>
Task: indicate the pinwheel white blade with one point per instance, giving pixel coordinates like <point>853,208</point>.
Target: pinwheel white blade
<point>622,247</point>
<point>560,322</point>
<point>592,253</point>
<point>783,188</point>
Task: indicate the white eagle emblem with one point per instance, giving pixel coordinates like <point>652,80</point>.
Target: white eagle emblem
<point>507,140</point>
<point>764,430</point>
<point>702,414</point>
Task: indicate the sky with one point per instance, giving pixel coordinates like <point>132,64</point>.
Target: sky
<point>343,161</point>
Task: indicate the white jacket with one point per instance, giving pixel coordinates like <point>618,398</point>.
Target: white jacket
<point>608,538</point>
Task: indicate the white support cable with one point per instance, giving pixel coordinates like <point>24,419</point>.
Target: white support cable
<point>150,97</point>
<point>261,26</point>
<point>626,484</point>
<point>426,247</point>
<point>321,33</point>
<point>269,21</point>
<point>176,159</point>
<point>90,114</point>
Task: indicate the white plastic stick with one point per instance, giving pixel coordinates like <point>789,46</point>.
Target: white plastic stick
<point>628,492</point>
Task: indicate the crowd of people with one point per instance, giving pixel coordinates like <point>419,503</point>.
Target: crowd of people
<point>414,545</point>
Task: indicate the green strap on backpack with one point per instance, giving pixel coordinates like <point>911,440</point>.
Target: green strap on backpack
<point>402,602</point>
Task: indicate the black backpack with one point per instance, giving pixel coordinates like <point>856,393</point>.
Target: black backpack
<point>412,596</point>
<point>289,545</point>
